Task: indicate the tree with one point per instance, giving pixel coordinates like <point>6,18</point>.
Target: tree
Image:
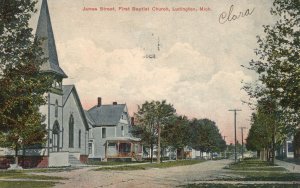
<point>175,133</point>
<point>22,84</point>
<point>151,116</point>
<point>205,136</point>
<point>266,130</point>
<point>278,64</point>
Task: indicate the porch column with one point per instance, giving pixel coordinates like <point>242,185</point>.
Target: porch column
<point>131,148</point>
<point>106,145</point>
<point>118,146</point>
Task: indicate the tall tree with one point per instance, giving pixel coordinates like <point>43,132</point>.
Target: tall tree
<point>22,85</point>
<point>267,131</point>
<point>152,116</point>
<point>175,133</point>
<point>278,64</point>
<point>205,136</point>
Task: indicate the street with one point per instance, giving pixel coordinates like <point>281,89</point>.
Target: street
<point>167,177</point>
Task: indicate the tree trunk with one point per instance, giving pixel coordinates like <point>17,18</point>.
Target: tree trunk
<point>23,155</point>
<point>151,150</point>
<point>16,156</point>
<point>273,148</point>
<point>158,145</point>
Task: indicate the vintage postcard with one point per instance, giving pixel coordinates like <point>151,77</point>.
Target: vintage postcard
<point>149,93</point>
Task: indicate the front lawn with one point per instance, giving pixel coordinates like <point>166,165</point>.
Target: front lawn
<point>26,184</point>
<point>216,185</point>
<point>21,174</point>
<point>21,178</point>
<point>252,170</point>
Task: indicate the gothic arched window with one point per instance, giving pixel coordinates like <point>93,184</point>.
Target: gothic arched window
<point>71,131</point>
<point>79,139</point>
<point>56,108</point>
<point>55,136</point>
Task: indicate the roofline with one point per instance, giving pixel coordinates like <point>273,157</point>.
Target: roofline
<point>55,72</point>
<point>80,106</point>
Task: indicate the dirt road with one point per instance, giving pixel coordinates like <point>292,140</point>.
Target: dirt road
<point>168,177</point>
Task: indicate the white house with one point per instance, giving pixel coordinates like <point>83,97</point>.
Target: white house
<point>110,137</point>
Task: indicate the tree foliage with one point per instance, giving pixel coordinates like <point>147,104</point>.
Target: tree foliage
<point>151,116</point>
<point>205,136</point>
<point>267,131</point>
<point>277,89</point>
<point>177,131</point>
<point>278,63</point>
<point>22,84</point>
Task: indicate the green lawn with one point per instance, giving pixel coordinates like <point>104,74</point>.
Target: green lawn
<point>19,174</point>
<point>26,184</point>
<point>27,179</point>
<point>215,185</point>
<point>254,165</point>
<point>152,165</point>
<point>253,170</point>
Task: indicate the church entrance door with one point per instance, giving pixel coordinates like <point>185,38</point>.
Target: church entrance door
<point>55,136</point>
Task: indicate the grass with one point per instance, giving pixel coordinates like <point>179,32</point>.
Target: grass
<point>254,165</point>
<point>152,165</point>
<point>215,185</point>
<point>49,170</point>
<point>253,170</point>
<point>27,179</point>
<point>26,184</point>
<point>257,170</point>
<point>265,176</point>
<point>16,174</point>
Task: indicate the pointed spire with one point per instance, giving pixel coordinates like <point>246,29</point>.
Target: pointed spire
<point>44,31</point>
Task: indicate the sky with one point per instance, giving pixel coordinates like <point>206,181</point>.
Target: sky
<point>197,67</point>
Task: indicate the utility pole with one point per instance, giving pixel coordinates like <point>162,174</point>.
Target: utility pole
<point>235,154</point>
<point>242,130</point>
<point>226,145</point>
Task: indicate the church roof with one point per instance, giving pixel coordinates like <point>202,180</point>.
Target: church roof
<point>67,90</point>
<point>44,31</point>
<point>106,115</point>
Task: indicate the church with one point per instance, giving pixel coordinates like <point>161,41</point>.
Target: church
<point>66,123</point>
<point>73,134</point>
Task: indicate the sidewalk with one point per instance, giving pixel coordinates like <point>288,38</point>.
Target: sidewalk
<point>289,166</point>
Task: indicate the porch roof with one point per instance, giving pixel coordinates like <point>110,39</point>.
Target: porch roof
<point>123,139</point>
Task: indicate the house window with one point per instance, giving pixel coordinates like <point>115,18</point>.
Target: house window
<point>79,138</point>
<point>90,148</point>
<point>103,132</point>
<point>56,108</point>
<point>71,131</point>
<point>122,130</point>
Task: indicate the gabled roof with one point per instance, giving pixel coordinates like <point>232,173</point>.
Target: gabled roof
<point>44,31</point>
<point>106,115</point>
<point>89,118</point>
<point>67,90</point>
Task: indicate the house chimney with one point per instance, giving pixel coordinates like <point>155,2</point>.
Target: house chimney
<point>99,102</point>
<point>132,121</point>
<point>115,103</point>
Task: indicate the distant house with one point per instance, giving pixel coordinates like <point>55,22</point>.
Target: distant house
<point>109,137</point>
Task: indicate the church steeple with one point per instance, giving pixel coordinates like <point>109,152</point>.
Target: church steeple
<point>44,31</point>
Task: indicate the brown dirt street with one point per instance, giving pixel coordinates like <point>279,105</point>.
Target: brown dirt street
<point>167,177</point>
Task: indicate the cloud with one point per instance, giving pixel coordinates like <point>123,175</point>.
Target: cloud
<point>183,76</point>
